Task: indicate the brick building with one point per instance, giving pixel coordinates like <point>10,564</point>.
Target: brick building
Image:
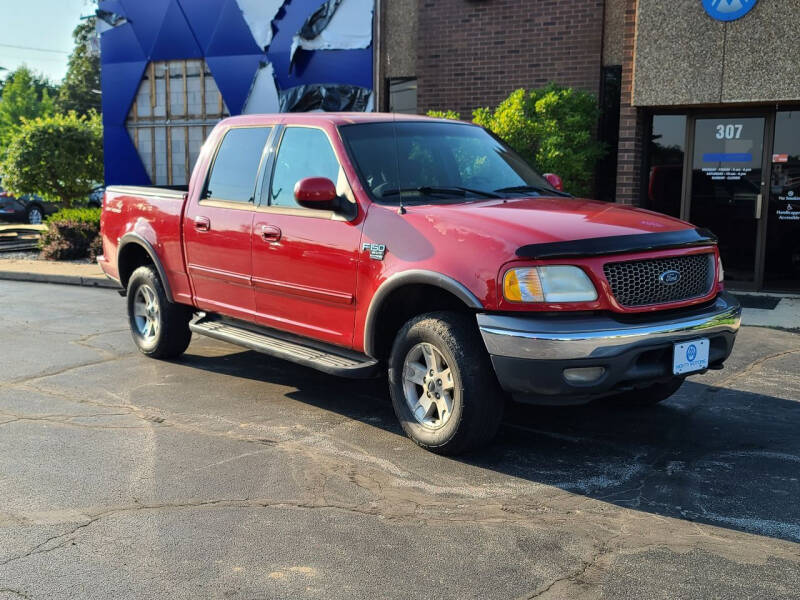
<point>700,100</point>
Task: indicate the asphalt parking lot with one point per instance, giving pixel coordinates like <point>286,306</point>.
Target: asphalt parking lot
<point>228,474</point>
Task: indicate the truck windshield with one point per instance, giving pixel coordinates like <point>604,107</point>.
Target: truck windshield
<point>427,162</point>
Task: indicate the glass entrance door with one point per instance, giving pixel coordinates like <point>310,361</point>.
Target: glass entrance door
<point>782,256</point>
<point>726,186</point>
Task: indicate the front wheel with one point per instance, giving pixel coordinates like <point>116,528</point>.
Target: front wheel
<point>443,387</point>
<point>159,327</point>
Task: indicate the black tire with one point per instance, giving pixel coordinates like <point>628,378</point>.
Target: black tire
<point>171,334</point>
<point>648,396</point>
<point>34,214</point>
<point>476,398</point>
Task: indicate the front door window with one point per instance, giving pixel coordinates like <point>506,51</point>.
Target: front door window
<point>726,188</point>
<point>782,266</point>
<point>304,152</point>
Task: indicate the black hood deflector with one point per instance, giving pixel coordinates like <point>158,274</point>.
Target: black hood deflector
<point>619,244</point>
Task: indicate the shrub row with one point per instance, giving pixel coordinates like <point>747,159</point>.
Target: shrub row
<point>72,233</point>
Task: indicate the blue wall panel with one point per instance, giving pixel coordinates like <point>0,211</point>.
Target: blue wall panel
<point>161,30</point>
<point>202,16</point>
<point>234,76</point>
<point>120,82</point>
<point>175,38</point>
<point>120,45</point>
<point>232,35</point>
<point>126,168</point>
<point>353,67</point>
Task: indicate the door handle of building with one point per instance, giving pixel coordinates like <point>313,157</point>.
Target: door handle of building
<point>202,223</point>
<point>758,206</point>
<point>270,233</point>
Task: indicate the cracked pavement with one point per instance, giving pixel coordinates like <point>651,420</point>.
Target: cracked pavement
<point>228,474</point>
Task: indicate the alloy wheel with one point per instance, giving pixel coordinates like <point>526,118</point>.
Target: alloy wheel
<point>428,386</point>
<point>146,313</point>
<point>35,216</point>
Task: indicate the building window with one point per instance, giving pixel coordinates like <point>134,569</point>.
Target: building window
<point>665,155</point>
<point>608,133</point>
<point>177,104</point>
<point>403,95</point>
<point>783,213</point>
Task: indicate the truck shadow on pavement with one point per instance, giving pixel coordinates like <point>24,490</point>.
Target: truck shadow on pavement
<point>712,455</point>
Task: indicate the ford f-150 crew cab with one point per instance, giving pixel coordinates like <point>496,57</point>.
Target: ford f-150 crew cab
<point>353,243</point>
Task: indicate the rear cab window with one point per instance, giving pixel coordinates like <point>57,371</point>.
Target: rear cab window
<point>235,169</point>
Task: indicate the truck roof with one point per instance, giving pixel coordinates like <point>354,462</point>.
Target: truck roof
<point>337,118</point>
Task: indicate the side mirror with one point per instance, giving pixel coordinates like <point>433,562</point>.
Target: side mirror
<point>555,181</point>
<point>316,192</point>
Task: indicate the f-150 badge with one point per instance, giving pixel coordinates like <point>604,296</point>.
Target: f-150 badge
<point>376,251</point>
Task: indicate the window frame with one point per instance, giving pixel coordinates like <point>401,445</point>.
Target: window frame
<point>264,190</point>
<point>205,200</point>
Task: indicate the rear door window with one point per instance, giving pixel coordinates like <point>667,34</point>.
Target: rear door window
<point>233,175</point>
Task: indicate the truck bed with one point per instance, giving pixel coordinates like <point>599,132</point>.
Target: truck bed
<point>155,214</point>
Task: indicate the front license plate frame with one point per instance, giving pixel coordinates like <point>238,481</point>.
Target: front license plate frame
<point>690,356</point>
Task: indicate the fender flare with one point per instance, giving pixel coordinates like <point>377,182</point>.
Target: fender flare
<point>135,238</point>
<point>414,276</point>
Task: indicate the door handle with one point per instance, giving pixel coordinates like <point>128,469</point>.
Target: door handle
<point>758,206</point>
<point>202,223</point>
<point>270,233</point>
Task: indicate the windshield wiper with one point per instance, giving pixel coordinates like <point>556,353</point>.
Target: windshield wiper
<point>539,189</point>
<point>431,190</point>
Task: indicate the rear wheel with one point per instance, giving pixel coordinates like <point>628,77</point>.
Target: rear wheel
<point>159,327</point>
<point>35,214</point>
<point>442,384</point>
<point>648,396</point>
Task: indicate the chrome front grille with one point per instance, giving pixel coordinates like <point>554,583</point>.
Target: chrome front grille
<point>644,282</point>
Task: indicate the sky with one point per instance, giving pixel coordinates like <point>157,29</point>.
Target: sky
<point>44,30</point>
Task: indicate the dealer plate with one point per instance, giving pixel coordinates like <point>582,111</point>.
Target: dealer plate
<point>690,356</point>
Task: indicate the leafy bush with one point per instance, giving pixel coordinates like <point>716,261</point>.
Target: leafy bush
<point>445,114</point>
<point>72,234</point>
<point>96,248</point>
<point>58,157</point>
<point>81,215</point>
<point>553,129</point>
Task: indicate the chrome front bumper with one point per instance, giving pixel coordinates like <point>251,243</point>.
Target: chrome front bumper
<point>568,338</point>
<point>532,355</point>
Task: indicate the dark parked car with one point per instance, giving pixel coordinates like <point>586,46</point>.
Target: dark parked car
<point>96,197</point>
<point>30,209</point>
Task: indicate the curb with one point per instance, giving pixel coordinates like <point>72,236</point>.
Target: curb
<point>60,279</point>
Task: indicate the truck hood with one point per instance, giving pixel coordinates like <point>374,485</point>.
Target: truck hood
<point>548,219</point>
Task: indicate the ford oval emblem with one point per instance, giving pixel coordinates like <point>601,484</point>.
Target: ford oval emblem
<point>670,277</point>
<point>728,10</point>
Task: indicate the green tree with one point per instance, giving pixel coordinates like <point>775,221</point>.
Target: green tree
<point>25,96</point>
<point>553,129</point>
<point>80,90</point>
<point>40,82</point>
<point>57,157</point>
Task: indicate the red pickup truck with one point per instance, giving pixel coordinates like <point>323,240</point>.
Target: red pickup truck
<point>353,243</point>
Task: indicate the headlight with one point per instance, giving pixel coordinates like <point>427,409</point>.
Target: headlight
<point>720,271</point>
<point>548,284</point>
